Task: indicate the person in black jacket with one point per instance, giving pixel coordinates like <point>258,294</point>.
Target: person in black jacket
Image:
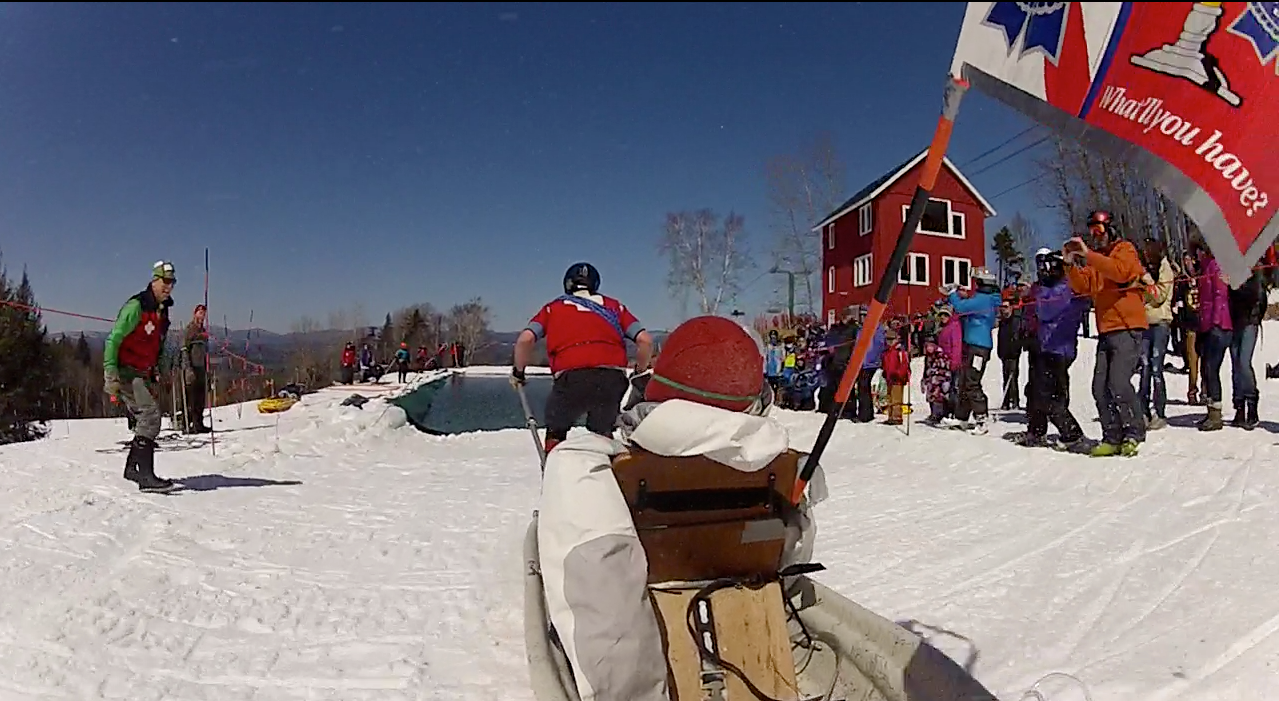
<point>839,342</point>
<point>1011,342</point>
<point>1247,307</point>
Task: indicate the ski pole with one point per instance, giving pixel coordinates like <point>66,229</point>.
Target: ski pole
<point>531,422</point>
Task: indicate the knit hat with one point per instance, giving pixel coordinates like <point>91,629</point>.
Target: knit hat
<point>710,360</point>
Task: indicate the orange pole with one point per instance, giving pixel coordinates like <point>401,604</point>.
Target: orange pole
<point>955,89</point>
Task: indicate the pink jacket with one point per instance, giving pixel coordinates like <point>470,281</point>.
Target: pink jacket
<point>1214,308</point>
<point>951,340</point>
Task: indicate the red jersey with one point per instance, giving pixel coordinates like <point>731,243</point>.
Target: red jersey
<point>588,332</point>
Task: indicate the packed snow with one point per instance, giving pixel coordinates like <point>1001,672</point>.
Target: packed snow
<point>334,552</point>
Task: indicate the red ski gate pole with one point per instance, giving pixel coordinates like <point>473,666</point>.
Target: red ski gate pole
<point>954,94</point>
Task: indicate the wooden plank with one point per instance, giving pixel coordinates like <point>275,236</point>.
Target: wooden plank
<point>750,627</point>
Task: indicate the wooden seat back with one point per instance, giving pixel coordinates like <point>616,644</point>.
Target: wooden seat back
<point>698,519</point>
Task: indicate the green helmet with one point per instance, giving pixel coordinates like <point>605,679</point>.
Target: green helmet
<point>164,269</point>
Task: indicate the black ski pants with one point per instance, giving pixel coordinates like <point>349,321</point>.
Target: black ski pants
<point>596,392</point>
<point>972,399</point>
<point>1011,371</point>
<point>1049,398</point>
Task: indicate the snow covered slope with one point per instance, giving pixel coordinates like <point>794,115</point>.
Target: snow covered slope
<point>343,555</point>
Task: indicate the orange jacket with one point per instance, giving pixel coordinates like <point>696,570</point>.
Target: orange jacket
<point>1113,281</point>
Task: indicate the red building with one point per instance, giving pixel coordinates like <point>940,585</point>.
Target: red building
<point>858,238</point>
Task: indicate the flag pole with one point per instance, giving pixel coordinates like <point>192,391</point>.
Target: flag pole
<point>954,94</point>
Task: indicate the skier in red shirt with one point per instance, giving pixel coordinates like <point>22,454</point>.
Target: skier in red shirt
<point>585,336</point>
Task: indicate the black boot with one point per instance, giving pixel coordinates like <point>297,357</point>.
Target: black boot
<point>1238,420</point>
<point>1250,419</point>
<point>131,461</point>
<point>144,473</point>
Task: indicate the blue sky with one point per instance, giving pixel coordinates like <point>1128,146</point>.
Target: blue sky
<point>330,155</point>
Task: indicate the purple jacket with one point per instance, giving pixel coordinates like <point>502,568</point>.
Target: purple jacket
<point>951,340</point>
<point>1214,306</point>
<point>1059,312</point>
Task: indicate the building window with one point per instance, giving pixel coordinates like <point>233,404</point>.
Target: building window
<point>914,269</point>
<point>939,219</point>
<point>863,271</point>
<point>865,219</point>
<point>830,236</point>
<point>955,271</point>
<point>830,278</point>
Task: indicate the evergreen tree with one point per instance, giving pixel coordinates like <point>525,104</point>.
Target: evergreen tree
<point>28,365</point>
<point>386,344</point>
<point>1004,246</point>
<point>83,354</point>
<point>415,328</point>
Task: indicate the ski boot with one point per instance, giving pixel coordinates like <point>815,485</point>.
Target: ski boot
<point>141,467</point>
<point>1128,448</point>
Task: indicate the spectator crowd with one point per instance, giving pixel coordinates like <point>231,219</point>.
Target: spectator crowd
<point>1141,303</point>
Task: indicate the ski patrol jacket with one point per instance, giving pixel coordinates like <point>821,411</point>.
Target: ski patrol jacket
<point>136,342</point>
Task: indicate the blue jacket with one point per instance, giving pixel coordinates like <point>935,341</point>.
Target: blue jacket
<point>1060,313</point>
<point>774,354</point>
<point>875,354</point>
<point>976,317</point>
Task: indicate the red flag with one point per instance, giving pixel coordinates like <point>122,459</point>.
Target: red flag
<point>1186,92</point>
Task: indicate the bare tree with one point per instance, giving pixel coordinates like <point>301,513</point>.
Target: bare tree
<point>706,257</point>
<point>802,189</point>
<point>359,320</point>
<point>305,325</point>
<point>468,324</point>
<point>339,320</point>
<point>310,362</point>
<point>1025,238</point>
<point>1075,181</point>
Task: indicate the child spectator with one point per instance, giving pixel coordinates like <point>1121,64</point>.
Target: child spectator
<point>896,367</point>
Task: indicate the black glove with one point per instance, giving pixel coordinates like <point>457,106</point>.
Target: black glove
<point>517,377</point>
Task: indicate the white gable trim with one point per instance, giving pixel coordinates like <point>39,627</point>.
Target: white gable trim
<point>990,209</point>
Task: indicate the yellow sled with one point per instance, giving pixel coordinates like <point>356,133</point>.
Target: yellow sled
<point>715,537</point>
<point>275,405</point>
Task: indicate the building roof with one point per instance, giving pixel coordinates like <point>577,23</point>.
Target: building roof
<point>877,186</point>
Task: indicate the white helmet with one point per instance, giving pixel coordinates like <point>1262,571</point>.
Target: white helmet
<point>983,275</point>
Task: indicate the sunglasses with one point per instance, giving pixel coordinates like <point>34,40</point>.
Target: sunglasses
<point>170,281</point>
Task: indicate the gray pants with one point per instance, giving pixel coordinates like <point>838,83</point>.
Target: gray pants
<point>138,400</point>
<point>1118,404</point>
